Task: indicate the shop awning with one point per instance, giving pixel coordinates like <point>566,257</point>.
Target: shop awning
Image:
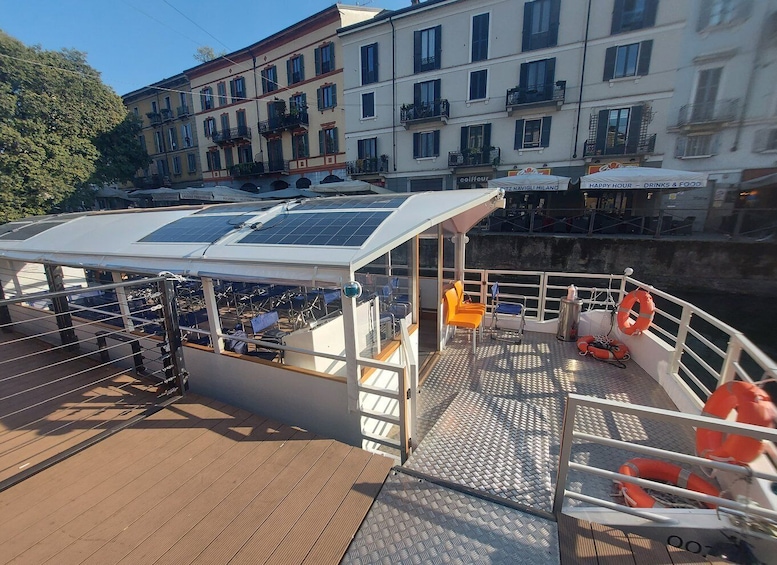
<point>760,182</point>
<point>530,182</point>
<point>648,178</point>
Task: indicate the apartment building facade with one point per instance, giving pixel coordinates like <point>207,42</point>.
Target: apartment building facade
<point>168,133</point>
<point>271,115</point>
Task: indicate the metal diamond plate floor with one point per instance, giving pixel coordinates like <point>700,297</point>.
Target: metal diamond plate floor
<point>414,521</point>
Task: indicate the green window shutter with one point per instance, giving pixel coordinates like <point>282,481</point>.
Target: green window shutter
<point>321,142</point>
<point>545,133</point>
<point>416,143</point>
<point>518,144</point>
<point>289,75</point>
<point>609,63</point>
<point>317,55</point>
<point>337,140</point>
<point>643,65</point>
<point>334,95</point>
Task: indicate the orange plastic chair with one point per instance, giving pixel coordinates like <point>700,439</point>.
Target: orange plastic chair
<point>457,319</point>
<point>467,306</point>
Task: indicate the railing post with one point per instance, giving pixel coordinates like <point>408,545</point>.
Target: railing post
<point>67,334</point>
<point>5,313</point>
<point>591,222</point>
<point>728,371</point>
<point>543,291</point>
<point>172,348</point>
<point>682,334</point>
<point>402,397</point>
<point>567,428</point>
<point>660,224</point>
<point>531,222</point>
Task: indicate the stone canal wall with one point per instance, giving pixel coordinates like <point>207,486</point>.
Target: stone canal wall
<point>728,266</point>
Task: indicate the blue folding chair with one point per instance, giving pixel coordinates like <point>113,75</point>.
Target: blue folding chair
<point>516,311</point>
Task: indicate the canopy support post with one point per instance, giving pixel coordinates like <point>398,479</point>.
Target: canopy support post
<point>351,363</point>
<point>214,322</point>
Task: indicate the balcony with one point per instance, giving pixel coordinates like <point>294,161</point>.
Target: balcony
<point>278,166</point>
<point>437,111</point>
<point>368,166</point>
<point>486,157</point>
<point>708,113</point>
<point>231,135</point>
<point>155,117</point>
<point>645,146</point>
<point>166,114</point>
<point>284,122</point>
<point>246,170</point>
<point>549,94</point>
<point>182,111</point>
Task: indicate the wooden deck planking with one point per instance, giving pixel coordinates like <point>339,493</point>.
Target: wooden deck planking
<point>197,481</point>
<point>583,542</point>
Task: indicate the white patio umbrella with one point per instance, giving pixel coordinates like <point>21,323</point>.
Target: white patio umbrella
<point>643,178</point>
<point>530,181</point>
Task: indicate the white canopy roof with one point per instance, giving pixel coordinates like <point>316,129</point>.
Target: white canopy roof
<point>643,177</point>
<point>348,187</point>
<point>530,181</point>
<point>316,241</point>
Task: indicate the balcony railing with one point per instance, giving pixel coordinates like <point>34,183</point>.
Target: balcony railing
<point>247,170</point>
<point>475,157</point>
<point>232,134</point>
<point>538,95</point>
<point>644,146</point>
<point>708,112</point>
<point>155,117</point>
<point>367,166</point>
<point>284,122</point>
<point>166,114</point>
<point>182,111</point>
<point>438,110</point>
<point>278,166</point>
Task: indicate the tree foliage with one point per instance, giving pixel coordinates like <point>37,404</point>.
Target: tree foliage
<point>56,116</point>
<point>206,53</point>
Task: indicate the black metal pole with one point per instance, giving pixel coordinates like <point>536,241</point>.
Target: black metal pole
<point>67,334</point>
<point>172,349</point>
<point>5,313</point>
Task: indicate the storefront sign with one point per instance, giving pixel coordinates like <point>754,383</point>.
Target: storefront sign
<point>529,171</point>
<point>473,178</point>
<point>607,166</point>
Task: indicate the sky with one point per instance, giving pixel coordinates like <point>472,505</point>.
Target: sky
<point>134,43</point>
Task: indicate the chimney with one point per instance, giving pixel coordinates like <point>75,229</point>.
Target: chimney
<point>414,2</point>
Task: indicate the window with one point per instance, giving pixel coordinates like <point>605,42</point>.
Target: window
<point>214,160</point>
<point>237,89</point>
<point>161,167</point>
<point>715,13</point>
<point>368,105</point>
<point>478,80</point>
<point>628,60</point>
<point>327,97</point>
<point>183,100</point>
<point>532,134</point>
<point>186,135</point>
<point>628,15</point>
<point>172,137</point>
<point>474,142</point>
<point>696,146</point>
<point>327,141</point>
<point>765,140</point>
<point>537,81</point>
<point>480,37</point>
<point>367,148</point>
<point>209,126</point>
<point>177,165</point>
<point>269,79</point>
<point>619,131</point>
<point>159,142</point>
<point>191,159</point>
<point>325,59</point>
<point>229,159</point>
<point>225,123</point>
<point>426,144</point>
<point>206,98</point>
<point>241,121</point>
<point>167,103</point>
<point>295,70</point>
<point>136,112</point>
<point>154,107</point>
<point>540,24</point>
<point>300,148</point>
<point>298,103</point>
<point>244,154</point>
<point>142,140</point>
<point>427,49</point>
<point>369,55</point>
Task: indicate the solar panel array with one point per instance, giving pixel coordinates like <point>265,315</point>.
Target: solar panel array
<point>343,229</point>
<point>242,207</point>
<point>196,229</point>
<point>332,203</point>
<point>20,231</point>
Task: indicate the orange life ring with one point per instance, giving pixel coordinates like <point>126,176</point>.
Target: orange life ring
<point>647,310</point>
<point>614,350</point>
<point>637,497</point>
<point>753,406</point>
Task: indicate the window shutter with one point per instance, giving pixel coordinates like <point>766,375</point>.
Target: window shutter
<point>364,56</point>
<point>436,142</point>
<point>416,143</point>
<point>760,140</point>
<point>375,63</point>
<point>437,47</point>
<point>332,65</point>
<point>337,140</point>
<point>417,94</point>
<point>437,89</point>
<point>487,135</point>
<point>518,144</point>
<point>289,77</point>
<point>545,133</point>
<point>617,17</point>
<point>301,67</point>
<point>528,8</point>
<point>635,129</point>
<point>715,144</point>
<point>464,138</point>
<point>645,49</point>
<point>321,142</point>
<point>417,52</point>
<point>550,74</point>
<point>202,100</point>
<point>555,13</point>
<point>319,97</point>
<point>601,130</point>
<point>317,54</point>
<point>205,127</point>
<point>649,17</point>
<point>609,63</point>
<point>704,15</point>
<point>334,95</point>
<point>232,89</point>
<point>679,148</point>
<point>524,76</point>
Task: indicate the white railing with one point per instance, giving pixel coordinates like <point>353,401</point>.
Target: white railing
<point>570,436</point>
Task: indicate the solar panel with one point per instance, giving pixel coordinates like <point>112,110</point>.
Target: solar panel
<point>22,231</point>
<point>196,229</point>
<point>332,203</point>
<point>344,229</point>
<point>243,207</point>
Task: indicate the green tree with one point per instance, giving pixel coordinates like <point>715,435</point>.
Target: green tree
<point>206,53</point>
<point>53,111</point>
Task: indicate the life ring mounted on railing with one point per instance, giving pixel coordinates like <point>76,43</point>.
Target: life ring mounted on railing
<point>753,406</point>
<point>647,310</point>
<point>636,497</point>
